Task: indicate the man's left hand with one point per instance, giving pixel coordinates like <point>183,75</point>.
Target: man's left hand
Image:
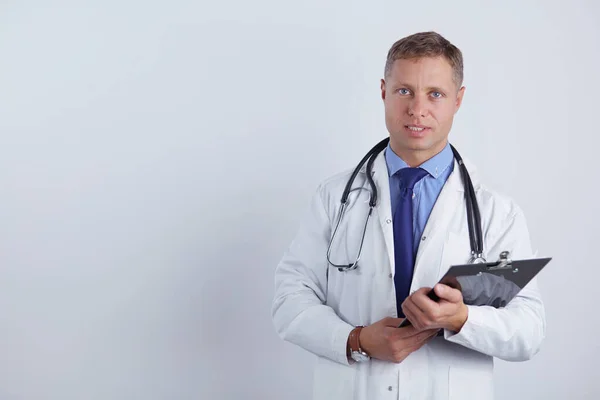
<point>450,312</point>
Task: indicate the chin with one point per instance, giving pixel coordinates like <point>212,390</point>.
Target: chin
<point>417,144</point>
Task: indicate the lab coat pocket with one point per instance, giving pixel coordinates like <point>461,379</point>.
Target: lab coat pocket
<point>333,380</point>
<point>470,383</point>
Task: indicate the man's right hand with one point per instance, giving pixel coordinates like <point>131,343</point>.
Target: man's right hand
<point>385,341</point>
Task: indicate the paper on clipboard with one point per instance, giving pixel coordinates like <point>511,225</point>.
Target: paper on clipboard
<point>492,284</point>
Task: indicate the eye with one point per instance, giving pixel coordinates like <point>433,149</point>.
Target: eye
<point>403,91</point>
<point>437,95</point>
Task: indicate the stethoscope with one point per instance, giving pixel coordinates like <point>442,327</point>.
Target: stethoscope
<point>473,216</point>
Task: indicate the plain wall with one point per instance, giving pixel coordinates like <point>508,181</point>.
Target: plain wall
<point>156,157</point>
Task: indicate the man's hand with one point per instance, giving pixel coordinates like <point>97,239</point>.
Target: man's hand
<point>448,313</point>
<point>385,341</point>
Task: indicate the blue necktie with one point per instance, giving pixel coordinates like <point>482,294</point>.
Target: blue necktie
<point>403,234</point>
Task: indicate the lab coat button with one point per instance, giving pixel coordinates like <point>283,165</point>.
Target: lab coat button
<point>390,388</point>
<point>423,238</point>
<point>388,221</point>
<point>390,275</point>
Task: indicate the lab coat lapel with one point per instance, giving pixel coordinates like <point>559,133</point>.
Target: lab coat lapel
<point>384,205</point>
<point>426,272</point>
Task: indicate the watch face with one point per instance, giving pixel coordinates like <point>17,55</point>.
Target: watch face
<point>356,356</point>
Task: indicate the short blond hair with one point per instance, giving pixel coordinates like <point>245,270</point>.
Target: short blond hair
<point>426,44</point>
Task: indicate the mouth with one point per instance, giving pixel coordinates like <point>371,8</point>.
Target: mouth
<point>417,130</point>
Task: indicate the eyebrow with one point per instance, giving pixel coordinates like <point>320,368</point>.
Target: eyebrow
<point>429,89</point>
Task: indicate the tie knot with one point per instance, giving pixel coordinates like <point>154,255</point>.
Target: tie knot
<point>410,176</point>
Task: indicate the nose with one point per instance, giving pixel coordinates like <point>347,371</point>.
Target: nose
<point>417,107</point>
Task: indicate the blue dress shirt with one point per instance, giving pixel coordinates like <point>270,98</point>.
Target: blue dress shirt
<point>426,191</point>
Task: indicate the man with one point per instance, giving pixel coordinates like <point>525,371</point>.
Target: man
<point>350,319</point>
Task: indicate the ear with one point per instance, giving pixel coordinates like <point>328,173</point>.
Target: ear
<point>382,89</point>
<point>459,98</point>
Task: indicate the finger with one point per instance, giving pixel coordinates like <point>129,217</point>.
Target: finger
<point>414,314</point>
<point>447,293</point>
<point>420,343</point>
<point>395,333</point>
<point>422,291</point>
<point>420,340</point>
<point>406,310</point>
<point>412,348</point>
<point>405,331</point>
<point>426,335</point>
<point>424,303</point>
<point>406,346</point>
<point>393,322</point>
<point>434,333</point>
<point>413,323</point>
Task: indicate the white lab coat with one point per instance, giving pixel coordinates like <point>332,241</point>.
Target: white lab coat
<point>316,306</point>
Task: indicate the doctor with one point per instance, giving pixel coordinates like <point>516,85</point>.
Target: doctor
<point>349,318</point>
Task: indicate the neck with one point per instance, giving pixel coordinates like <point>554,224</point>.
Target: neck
<point>416,157</point>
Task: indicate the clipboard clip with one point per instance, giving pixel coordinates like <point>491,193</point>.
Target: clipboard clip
<point>503,263</point>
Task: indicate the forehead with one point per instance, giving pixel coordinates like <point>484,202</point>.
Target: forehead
<point>427,71</point>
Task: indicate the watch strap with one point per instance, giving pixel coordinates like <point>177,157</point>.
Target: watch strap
<point>354,339</point>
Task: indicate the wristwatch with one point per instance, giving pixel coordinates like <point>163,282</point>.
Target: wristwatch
<point>356,352</point>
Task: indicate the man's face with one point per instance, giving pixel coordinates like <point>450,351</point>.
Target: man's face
<point>420,98</point>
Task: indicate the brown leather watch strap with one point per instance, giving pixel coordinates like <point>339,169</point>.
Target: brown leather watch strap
<point>355,338</point>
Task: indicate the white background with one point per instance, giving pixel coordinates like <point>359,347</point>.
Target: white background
<point>155,157</point>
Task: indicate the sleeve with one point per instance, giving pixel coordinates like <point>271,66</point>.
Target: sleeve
<point>299,311</point>
<point>515,332</point>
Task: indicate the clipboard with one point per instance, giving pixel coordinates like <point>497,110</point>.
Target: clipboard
<point>492,284</point>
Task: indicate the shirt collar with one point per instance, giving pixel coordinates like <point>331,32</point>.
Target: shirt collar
<point>435,166</point>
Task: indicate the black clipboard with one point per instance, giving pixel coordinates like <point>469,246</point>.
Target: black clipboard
<point>492,284</point>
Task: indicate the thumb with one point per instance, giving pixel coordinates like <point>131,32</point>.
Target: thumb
<point>447,293</point>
